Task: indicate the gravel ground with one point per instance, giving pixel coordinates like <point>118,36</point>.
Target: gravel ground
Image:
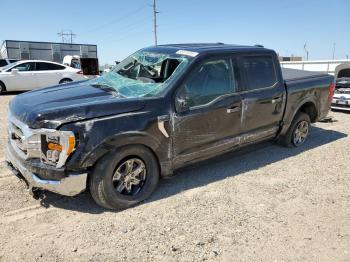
<point>265,203</point>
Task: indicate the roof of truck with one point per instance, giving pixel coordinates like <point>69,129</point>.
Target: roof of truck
<point>204,47</point>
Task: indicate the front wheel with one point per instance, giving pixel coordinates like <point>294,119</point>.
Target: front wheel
<point>297,132</point>
<point>124,178</point>
<point>2,88</point>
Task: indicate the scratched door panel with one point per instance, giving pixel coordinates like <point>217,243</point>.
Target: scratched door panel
<point>204,131</point>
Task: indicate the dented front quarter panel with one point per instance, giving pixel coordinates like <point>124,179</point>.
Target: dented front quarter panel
<point>100,136</point>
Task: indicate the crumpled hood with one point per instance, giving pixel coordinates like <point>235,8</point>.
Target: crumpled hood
<point>53,106</point>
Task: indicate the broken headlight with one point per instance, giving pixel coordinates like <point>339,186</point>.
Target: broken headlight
<point>56,146</point>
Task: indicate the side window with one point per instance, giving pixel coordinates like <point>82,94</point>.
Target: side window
<point>259,72</point>
<point>41,66</point>
<point>207,82</point>
<point>30,66</point>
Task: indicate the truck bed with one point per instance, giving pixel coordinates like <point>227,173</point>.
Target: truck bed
<point>295,74</point>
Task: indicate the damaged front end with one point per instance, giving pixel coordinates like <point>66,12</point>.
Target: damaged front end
<point>37,156</point>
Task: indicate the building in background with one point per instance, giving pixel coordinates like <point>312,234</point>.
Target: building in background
<point>290,58</point>
<point>23,50</point>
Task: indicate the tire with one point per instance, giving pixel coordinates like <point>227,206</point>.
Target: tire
<point>65,81</point>
<point>301,120</point>
<point>2,88</point>
<point>105,185</point>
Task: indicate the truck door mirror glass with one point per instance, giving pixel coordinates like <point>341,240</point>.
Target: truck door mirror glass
<point>181,103</point>
<point>14,71</point>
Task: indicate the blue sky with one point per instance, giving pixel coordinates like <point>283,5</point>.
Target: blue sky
<point>121,27</point>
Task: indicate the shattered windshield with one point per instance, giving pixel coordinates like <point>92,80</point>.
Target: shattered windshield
<point>142,74</point>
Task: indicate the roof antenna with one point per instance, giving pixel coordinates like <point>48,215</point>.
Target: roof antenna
<point>259,45</point>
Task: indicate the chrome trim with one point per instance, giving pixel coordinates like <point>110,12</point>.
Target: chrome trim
<point>29,146</point>
<point>162,129</point>
<point>69,186</point>
<point>341,108</point>
<point>161,121</point>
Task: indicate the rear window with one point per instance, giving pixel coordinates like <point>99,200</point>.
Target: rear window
<point>41,66</point>
<point>259,72</point>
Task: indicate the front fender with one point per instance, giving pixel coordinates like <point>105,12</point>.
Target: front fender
<point>159,148</point>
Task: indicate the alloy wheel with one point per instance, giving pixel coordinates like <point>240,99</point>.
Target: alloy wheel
<point>129,176</point>
<point>300,133</point>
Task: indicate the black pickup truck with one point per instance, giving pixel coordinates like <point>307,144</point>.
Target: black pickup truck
<point>160,109</point>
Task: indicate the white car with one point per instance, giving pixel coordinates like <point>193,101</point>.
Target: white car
<point>341,98</point>
<point>32,74</point>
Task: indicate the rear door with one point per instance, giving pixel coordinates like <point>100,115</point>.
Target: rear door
<point>210,122</point>
<point>263,96</point>
<point>48,74</point>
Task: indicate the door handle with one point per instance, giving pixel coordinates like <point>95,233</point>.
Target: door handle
<point>233,109</point>
<point>276,99</point>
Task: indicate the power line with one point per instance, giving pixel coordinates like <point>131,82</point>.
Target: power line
<point>125,29</point>
<point>119,19</point>
<point>64,36</point>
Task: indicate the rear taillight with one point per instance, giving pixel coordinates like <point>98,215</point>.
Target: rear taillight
<point>331,92</point>
<point>80,72</point>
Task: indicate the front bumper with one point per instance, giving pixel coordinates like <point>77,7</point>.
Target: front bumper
<point>340,107</point>
<point>70,185</point>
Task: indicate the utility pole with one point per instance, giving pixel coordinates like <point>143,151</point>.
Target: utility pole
<point>334,50</point>
<point>63,36</point>
<point>306,51</point>
<point>155,12</point>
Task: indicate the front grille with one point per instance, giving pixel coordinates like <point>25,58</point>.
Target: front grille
<point>23,140</point>
<point>17,137</point>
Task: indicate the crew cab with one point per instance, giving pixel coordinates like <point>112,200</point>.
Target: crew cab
<point>162,108</point>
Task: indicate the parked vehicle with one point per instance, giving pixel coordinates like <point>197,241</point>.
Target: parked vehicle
<point>5,62</point>
<point>160,109</point>
<point>341,99</point>
<point>89,66</point>
<point>32,74</point>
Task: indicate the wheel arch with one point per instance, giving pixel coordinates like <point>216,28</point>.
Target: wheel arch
<point>65,78</point>
<point>2,83</point>
<point>310,109</point>
<point>307,106</point>
<point>116,143</point>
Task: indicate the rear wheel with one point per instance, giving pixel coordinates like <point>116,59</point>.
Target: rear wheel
<point>65,81</point>
<point>125,178</point>
<point>297,132</point>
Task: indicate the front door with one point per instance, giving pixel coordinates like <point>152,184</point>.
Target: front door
<point>263,97</point>
<point>207,120</point>
<point>23,79</point>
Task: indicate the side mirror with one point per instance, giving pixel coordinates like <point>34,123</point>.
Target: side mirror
<point>181,104</point>
<point>14,71</point>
